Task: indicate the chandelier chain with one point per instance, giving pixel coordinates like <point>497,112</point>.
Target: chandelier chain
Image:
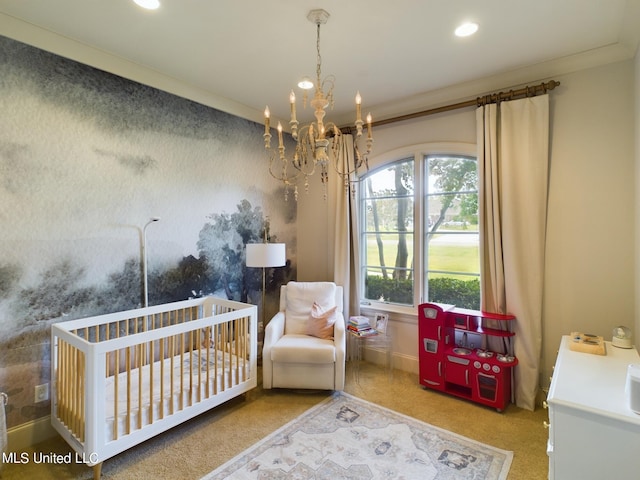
<point>318,57</point>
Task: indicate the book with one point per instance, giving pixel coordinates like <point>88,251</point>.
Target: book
<point>359,322</point>
<point>365,332</point>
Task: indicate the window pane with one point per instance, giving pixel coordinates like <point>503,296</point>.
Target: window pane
<point>452,174</point>
<point>387,209</point>
<point>390,289</point>
<point>452,212</point>
<point>382,215</point>
<point>454,252</point>
<point>460,290</point>
<point>382,251</point>
<point>394,180</point>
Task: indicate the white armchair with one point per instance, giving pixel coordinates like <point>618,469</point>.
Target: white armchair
<point>295,354</point>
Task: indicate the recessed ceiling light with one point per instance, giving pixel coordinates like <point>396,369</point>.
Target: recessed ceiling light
<point>305,83</point>
<point>148,4</point>
<point>466,29</point>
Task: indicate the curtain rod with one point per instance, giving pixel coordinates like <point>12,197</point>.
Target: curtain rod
<point>529,91</point>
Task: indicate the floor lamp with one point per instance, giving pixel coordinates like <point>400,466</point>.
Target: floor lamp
<point>265,255</point>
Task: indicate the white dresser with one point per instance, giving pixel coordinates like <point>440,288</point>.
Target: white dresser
<point>592,432</point>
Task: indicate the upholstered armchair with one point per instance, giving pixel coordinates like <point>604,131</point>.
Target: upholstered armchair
<point>304,343</point>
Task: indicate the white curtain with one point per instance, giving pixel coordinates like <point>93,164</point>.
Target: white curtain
<point>345,242</point>
<point>513,159</point>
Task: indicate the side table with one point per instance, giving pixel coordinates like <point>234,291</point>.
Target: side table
<point>380,341</point>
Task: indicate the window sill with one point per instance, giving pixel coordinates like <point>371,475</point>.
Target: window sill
<point>398,313</point>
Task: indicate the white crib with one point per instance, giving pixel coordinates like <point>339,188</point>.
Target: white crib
<point>122,378</point>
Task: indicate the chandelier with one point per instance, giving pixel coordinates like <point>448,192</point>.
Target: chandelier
<point>318,143</point>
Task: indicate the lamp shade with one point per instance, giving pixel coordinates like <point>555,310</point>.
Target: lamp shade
<point>266,255</point>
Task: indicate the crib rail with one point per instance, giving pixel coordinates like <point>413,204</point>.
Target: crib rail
<point>139,367</point>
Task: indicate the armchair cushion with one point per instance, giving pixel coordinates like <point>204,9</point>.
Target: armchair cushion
<point>303,349</point>
<point>300,299</point>
<point>321,322</point>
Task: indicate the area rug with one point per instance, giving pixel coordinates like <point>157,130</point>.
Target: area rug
<point>345,437</point>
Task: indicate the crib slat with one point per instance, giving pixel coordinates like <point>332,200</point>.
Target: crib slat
<point>215,358</point>
<point>236,342</point>
<point>209,347</point>
<point>198,349</point>
<point>228,348</point>
<point>190,398</point>
<point>181,391</point>
<point>172,356</point>
<point>245,343</point>
<point>72,391</point>
<point>221,347</point>
<point>77,395</point>
<point>70,398</point>
<point>150,363</point>
<point>139,353</point>
<point>108,359</point>
<point>81,393</point>
<point>161,408</point>
<point>116,395</point>
<point>241,354</point>
<point>128,370</point>
<point>62,380</point>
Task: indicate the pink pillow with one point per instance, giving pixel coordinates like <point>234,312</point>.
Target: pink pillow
<point>321,322</point>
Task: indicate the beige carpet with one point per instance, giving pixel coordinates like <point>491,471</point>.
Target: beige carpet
<point>194,449</point>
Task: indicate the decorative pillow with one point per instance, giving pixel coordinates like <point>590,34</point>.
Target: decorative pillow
<point>321,322</point>
<point>299,299</point>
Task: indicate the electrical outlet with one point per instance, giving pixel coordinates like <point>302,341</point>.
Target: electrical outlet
<point>42,393</point>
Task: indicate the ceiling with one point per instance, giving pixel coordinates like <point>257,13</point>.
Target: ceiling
<point>402,56</point>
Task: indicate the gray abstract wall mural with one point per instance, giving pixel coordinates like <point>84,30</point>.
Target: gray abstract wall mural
<point>87,158</point>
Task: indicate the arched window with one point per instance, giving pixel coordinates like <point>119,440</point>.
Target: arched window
<point>419,237</point>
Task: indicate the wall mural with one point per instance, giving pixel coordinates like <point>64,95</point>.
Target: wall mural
<point>87,158</point>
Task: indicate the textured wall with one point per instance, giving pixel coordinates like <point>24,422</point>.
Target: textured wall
<point>86,159</point>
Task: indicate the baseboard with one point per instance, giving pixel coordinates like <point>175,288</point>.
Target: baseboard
<point>406,363</point>
<point>30,433</point>
<point>400,361</point>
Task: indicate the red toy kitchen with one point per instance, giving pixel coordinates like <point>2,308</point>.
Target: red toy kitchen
<point>467,353</point>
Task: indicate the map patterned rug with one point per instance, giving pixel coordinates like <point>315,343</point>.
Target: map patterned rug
<point>345,437</point>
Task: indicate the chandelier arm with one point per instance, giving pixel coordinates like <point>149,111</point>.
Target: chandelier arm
<point>282,176</point>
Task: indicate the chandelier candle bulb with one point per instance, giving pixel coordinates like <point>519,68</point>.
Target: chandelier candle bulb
<point>358,114</point>
<point>280,142</point>
<point>267,131</point>
<point>368,125</point>
<point>294,122</point>
<point>292,100</point>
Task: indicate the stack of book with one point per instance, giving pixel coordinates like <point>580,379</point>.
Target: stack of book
<point>360,326</point>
